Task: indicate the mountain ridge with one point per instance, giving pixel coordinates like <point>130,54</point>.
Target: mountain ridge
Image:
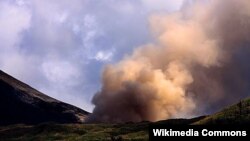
<point>20,103</point>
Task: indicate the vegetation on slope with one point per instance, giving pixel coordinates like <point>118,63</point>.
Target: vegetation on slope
<point>236,114</point>
<point>75,132</point>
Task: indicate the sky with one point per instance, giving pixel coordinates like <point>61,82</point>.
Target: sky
<point>61,46</point>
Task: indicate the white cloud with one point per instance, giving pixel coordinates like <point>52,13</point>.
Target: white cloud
<point>90,21</point>
<point>62,72</point>
<point>76,28</point>
<point>22,2</point>
<point>168,5</point>
<point>61,17</point>
<point>13,20</point>
<point>103,56</point>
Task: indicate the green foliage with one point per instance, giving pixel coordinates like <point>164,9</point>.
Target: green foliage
<point>235,114</point>
<point>74,132</point>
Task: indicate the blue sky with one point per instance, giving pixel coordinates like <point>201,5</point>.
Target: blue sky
<point>61,46</point>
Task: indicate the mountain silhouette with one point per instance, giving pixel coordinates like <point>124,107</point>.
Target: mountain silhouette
<point>22,104</point>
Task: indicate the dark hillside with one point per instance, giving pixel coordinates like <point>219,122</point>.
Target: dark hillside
<point>20,103</point>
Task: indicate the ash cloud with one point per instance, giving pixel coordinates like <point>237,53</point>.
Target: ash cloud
<point>197,64</point>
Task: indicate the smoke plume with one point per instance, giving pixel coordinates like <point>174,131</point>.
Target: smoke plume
<point>197,64</point>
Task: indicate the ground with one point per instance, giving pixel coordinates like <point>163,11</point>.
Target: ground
<point>238,113</point>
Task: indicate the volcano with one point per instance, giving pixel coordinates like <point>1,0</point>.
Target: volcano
<point>22,104</point>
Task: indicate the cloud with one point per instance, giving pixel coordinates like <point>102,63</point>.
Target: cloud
<point>61,72</point>
<point>196,65</point>
<point>13,21</point>
<point>60,46</point>
<point>103,56</point>
<point>167,5</point>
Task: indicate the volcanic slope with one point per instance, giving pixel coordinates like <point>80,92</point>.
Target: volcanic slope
<point>22,104</point>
